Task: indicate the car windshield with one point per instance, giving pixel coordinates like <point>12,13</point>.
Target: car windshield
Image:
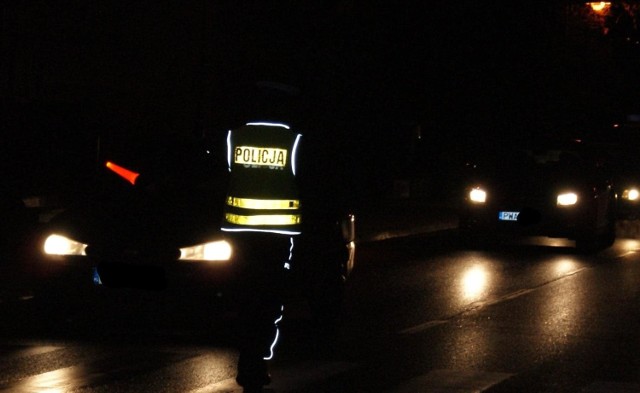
<point>539,161</point>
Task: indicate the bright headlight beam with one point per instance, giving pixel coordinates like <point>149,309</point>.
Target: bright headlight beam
<point>61,245</point>
<point>213,251</point>
<point>631,194</point>
<point>567,199</point>
<point>599,6</point>
<point>478,195</point>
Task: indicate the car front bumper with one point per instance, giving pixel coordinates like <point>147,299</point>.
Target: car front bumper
<point>553,222</point>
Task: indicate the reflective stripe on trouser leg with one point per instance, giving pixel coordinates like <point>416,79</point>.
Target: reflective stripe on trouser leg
<point>275,339</point>
<point>287,265</point>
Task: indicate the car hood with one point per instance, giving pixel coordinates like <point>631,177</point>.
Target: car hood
<point>146,221</point>
<point>530,179</point>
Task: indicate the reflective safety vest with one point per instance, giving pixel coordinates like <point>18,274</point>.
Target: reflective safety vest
<point>263,195</point>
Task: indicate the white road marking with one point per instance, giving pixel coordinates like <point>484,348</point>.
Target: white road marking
<point>303,375</point>
<point>33,350</point>
<point>422,326</point>
<point>626,254</point>
<point>286,379</point>
<point>225,386</point>
<point>60,380</point>
<point>484,303</point>
<point>452,381</point>
<point>612,387</point>
<point>509,296</point>
<point>87,373</point>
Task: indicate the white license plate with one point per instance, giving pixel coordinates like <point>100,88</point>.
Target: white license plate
<point>508,216</point>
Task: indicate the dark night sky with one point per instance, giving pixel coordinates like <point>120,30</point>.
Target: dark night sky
<point>412,60</point>
<point>463,70</point>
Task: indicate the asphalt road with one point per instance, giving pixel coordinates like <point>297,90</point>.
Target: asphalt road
<point>422,314</point>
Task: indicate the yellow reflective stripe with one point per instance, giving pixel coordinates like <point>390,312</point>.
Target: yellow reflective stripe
<point>264,204</point>
<point>267,219</point>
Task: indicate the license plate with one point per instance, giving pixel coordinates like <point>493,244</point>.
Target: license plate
<point>96,277</point>
<point>117,275</point>
<point>508,216</point>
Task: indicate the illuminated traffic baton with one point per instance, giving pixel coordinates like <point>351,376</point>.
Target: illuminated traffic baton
<point>125,173</point>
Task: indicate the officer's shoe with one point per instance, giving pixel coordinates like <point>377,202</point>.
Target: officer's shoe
<point>252,374</point>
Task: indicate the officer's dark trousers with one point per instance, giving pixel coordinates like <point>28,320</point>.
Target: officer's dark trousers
<point>266,259</point>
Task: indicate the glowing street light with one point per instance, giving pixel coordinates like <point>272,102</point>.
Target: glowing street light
<point>600,7</point>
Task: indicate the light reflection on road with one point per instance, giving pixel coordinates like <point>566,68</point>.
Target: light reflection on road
<point>58,381</point>
<point>564,266</point>
<point>474,282</point>
<point>475,278</point>
<point>482,278</point>
<point>559,314</point>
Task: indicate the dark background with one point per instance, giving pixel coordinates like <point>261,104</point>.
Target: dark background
<point>78,75</point>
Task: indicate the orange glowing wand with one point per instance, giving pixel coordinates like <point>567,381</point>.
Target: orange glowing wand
<point>125,173</point>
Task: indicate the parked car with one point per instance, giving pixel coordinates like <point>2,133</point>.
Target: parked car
<point>544,188</point>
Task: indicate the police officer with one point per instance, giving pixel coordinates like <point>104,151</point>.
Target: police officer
<point>262,216</point>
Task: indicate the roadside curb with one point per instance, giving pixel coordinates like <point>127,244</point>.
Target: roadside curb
<point>405,217</point>
<point>397,218</point>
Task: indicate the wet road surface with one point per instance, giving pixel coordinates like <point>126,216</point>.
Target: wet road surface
<point>423,314</point>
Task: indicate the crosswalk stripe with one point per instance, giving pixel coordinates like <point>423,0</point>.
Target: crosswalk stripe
<point>303,375</point>
<point>20,351</point>
<point>286,379</point>
<point>452,381</point>
<point>612,387</point>
<point>225,386</point>
<point>94,372</point>
<point>60,380</point>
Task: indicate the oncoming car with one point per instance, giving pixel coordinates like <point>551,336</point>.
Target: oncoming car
<point>151,220</point>
<point>621,141</point>
<point>553,189</point>
<point>628,192</point>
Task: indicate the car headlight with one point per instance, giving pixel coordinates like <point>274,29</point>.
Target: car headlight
<point>567,199</point>
<point>478,195</point>
<point>61,245</point>
<point>219,250</point>
<point>631,194</point>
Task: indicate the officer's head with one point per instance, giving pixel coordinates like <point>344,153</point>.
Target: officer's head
<point>274,100</point>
